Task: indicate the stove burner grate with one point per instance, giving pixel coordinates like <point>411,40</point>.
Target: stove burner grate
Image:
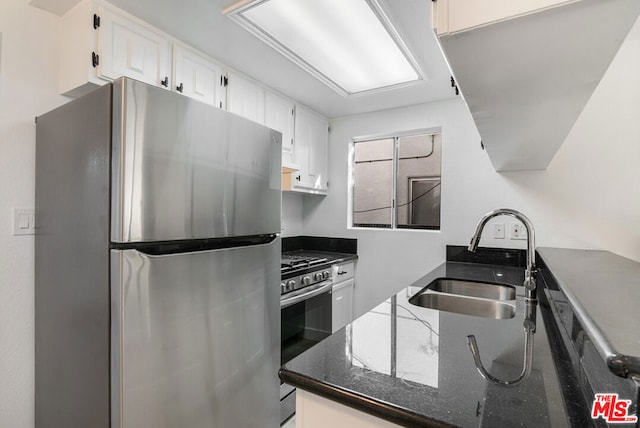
<point>290,263</point>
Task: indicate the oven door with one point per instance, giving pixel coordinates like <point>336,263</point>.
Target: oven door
<point>305,321</point>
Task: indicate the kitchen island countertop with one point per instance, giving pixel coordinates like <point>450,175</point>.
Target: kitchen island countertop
<point>412,366</point>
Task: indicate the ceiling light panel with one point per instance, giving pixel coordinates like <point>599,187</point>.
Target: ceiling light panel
<point>342,42</point>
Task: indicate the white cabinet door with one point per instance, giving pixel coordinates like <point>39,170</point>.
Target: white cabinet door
<point>451,16</point>
<point>198,77</point>
<point>279,115</point>
<point>342,307</point>
<point>311,144</point>
<point>129,48</point>
<point>245,98</point>
<point>342,294</point>
<point>78,48</point>
<point>313,411</point>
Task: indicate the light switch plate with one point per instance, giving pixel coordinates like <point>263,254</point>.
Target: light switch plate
<point>498,231</point>
<point>24,221</point>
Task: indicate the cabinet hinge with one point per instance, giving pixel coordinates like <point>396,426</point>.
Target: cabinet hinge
<point>95,59</point>
<point>455,85</point>
<point>96,21</point>
<point>328,129</point>
<point>293,112</point>
<point>224,81</point>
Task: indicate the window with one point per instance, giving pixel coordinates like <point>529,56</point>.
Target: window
<point>396,182</point>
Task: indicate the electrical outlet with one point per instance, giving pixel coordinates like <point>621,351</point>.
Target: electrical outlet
<point>498,231</point>
<point>518,231</point>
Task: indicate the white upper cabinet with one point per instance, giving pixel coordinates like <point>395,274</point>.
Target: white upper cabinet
<point>100,43</point>
<point>279,114</point>
<point>311,148</point>
<point>198,77</point>
<point>527,68</point>
<point>245,98</point>
<point>79,56</point>
<point>451,16</point>
<point>129,48</point>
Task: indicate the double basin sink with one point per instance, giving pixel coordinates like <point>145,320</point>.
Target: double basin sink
<point>475,298</point>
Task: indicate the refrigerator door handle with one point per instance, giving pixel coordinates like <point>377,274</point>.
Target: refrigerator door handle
<point>156,249</point>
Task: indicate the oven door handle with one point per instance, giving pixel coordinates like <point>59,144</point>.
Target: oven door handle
<point>322,287</point>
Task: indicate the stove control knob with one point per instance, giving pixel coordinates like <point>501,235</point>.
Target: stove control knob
<point>291,285</point>
<point>317,276</point>
<point>283,288</point>
<point>326,274</point>
<point>306,280</point>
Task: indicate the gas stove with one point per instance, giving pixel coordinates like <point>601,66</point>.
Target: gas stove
<point>306,310</point>
<point>311,270</point>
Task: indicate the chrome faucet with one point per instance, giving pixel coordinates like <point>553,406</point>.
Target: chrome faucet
<point>531,271</point>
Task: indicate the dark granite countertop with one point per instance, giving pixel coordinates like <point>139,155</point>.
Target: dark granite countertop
<point>594,297</point>
<point>335,250</point>
<point>604,291</point>
<point>412,366</point>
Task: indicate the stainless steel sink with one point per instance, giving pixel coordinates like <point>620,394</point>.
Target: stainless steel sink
<point>473,288</point>
<point>486,308</point>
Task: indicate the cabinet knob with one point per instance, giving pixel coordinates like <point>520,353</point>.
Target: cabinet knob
<point>179,88</point>
<point>165,81</point>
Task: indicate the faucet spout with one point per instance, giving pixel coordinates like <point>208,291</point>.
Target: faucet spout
<point>531,271</point>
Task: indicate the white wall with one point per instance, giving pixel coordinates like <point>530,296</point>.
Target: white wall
<point>28,87</point>
<point>292,220</point>
<point>589,197</point>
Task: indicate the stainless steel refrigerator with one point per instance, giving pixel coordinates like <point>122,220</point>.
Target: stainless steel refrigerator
<point>156,264</point>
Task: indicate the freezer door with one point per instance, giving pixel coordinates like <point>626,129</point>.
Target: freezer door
<point>195,338</point>
<point>182,169</point>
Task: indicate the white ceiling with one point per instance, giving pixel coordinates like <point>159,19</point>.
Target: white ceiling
<point>200,23</point>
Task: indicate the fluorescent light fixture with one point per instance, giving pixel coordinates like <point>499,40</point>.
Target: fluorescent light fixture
<point>350,45</point>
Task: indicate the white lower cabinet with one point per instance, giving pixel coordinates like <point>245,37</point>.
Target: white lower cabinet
<point>313,411</point>
<point>342,295</point>
<point>342,308</point>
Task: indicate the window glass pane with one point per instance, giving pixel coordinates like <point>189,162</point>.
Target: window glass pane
<point>418,182</point>
<point>373,183</point>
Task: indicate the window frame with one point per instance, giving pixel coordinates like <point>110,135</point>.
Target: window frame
<point>351,178</point>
